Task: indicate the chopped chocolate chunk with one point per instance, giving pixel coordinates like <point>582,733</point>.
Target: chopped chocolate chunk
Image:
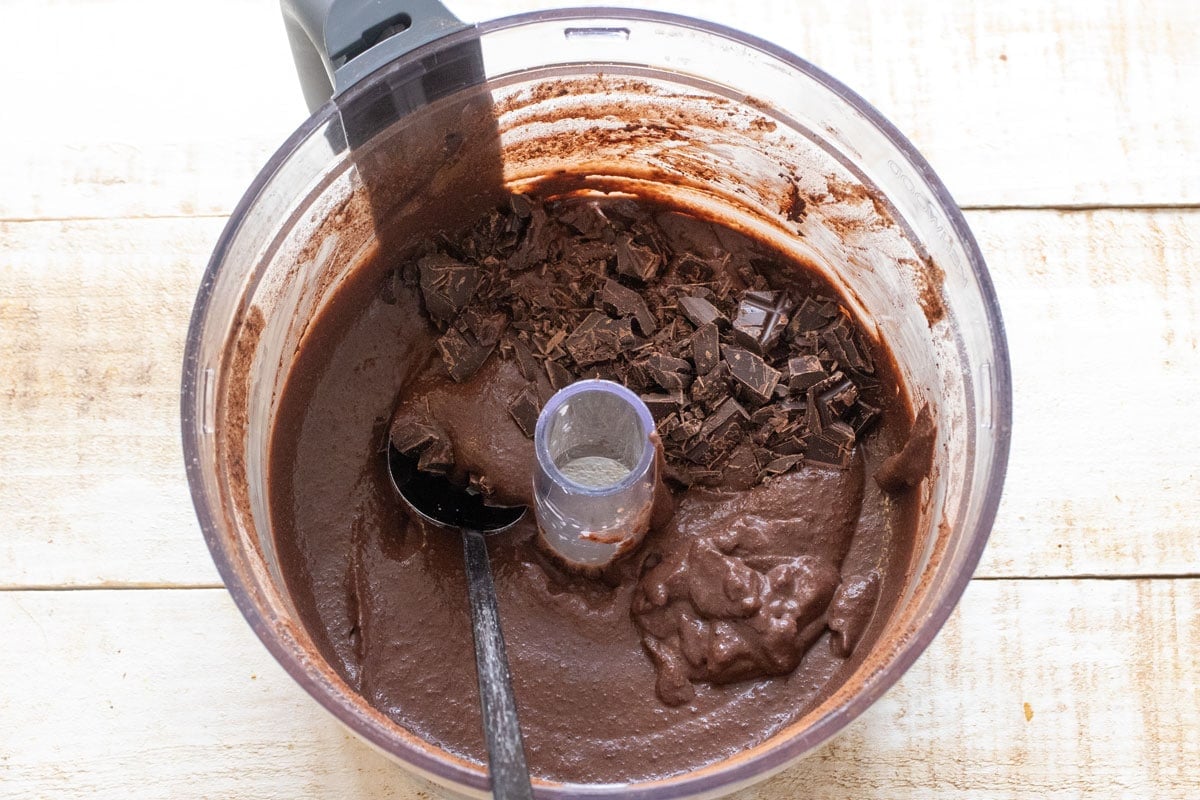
<point>803,372</point>
<point>486,328</point>
<point>814,394</point>
<point>438,457</point>
<point>862,418</point>
<point>838,339</point>
<point>721,432</point>
<point>638,378</point>
<point>791,446</point>
<point>688,427</point>
<point>587,219</point>
<point>706,344</point>
<point>667,424</point>
<point>447,285</point>
<point>710,389</point>
<point>834,446</point>
<point>524,410</point>
<point>701,312</point>
<point>622,301</point>
<point>535,245</point>
<point>781,464</point>
<point>526,363</point>
<point>409,436</point>
<point>559,375</point>
<point>462,353</point>
<point>663,405</point>
<point>637,261</point>
<point>741,468</point>
<point>754,374</point>
<point>839,400</point>
<point>668,372</point>
<point>480,484</point>
<point>599,338</point>
<point>810,316</point>
<point>761,319</point>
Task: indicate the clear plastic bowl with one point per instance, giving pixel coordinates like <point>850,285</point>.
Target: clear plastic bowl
<point>715,120</point>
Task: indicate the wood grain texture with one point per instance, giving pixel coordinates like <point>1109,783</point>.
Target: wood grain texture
<point>93,317</point>
<point>156,112</point>
<point>1102,311</point>
<point>132,694</point>
<point>1103,320</point>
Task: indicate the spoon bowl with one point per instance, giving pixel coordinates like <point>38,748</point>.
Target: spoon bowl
<point>435,499</point>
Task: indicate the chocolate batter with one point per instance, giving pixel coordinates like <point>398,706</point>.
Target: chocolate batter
<point>771,570</point>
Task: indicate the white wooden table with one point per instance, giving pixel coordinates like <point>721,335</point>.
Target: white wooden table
<point>1069,131</point>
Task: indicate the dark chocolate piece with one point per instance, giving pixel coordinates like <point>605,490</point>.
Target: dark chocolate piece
<point>524,410</point>
<point>721,432</point>
<point>438,457</point>
<point>486,328</point>
<point>834,446</point>
<point>839,340</point>
<point>781,464</point>
<point>637,261</point>
<point>706,348</point>
<point>803,372</point>
<point>599,338</point>
<point>839,400</point>
<point>663,405</point>
<point>755,375</point>
<point>528,366</point>
<point>810,316</point>
<point>559,375</point>
<point>761,319</point>
<point>863,417</point>
<point>709,390</point>
<point>668,372</point>
<point>819,414</point>
<point>411,437</point>
<point>621,301</point>
<point>462,353</point>
<point>701,312</point>
<point>447,285</point>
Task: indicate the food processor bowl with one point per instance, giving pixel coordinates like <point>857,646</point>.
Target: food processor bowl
<point>600,100</point>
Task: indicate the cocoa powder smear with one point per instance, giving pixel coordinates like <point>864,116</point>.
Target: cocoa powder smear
<point>768,572</point>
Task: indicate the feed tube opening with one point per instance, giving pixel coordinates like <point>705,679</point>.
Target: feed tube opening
<point>594,480</point>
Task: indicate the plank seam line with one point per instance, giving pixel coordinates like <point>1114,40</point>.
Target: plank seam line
<point>129,587</point>
<point>1082,207</point>
<point>1149,576</point>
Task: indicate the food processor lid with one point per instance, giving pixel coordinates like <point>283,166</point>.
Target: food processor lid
<point>337,43</point>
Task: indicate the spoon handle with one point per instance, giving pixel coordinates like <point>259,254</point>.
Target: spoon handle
<point>506,750</point>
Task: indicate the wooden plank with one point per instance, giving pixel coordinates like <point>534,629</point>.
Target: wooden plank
<point>1102,312</point>
<point>152,112</point>
<point>1103,320</point>
<point>1080,689</point>
<point>93,317</point>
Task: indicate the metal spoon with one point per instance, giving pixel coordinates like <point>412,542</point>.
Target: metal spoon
<point>437,500</point>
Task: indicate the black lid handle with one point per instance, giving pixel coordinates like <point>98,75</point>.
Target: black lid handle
<point>337,42</point>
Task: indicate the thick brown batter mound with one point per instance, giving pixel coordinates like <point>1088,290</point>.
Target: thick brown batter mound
<point>776,570</point>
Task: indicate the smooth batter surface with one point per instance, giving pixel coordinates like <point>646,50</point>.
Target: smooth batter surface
<point>727,623</point>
